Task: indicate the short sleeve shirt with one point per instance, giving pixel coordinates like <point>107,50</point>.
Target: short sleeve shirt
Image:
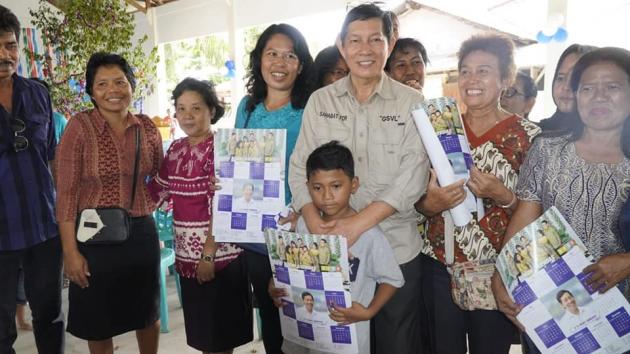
<point>589,195</point>
<point>372,263</point>
<point>389,157</point>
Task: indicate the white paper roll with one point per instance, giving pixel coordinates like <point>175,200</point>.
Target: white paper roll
<point>442,167</point>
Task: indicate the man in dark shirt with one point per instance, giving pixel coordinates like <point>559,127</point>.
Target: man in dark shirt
<point>28,230</point>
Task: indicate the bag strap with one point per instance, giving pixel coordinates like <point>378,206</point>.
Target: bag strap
<point>449,238</point>
<point>135,168</point>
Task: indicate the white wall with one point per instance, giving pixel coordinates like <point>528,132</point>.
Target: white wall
<point>20,9</point>
<point>184,19</point>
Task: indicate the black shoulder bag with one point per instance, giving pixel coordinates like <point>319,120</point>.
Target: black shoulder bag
<point>107,226</point>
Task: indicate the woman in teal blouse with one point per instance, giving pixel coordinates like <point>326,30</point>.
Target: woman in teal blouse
<point>277,91</point>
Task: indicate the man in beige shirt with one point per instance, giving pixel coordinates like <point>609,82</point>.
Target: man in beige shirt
<point>371,114</point>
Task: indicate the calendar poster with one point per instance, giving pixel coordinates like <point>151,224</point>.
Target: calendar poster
<point>250,165</point>
<point>441,128</point>
<point>541,267</point>
<point>315,272</point>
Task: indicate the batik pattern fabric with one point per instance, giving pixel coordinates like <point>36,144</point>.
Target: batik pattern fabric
<point>499,151</point>
<point>590,196</point>
<point>184,179</point>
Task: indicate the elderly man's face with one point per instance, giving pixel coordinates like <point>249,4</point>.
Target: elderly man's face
<point>9,54</point>
<point>365,49</point>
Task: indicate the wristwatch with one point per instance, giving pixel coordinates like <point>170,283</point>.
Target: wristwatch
<point>208,258</point>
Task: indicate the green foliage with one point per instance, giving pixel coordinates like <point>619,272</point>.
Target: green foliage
<point>207,54</point>
<point>251,37</point>
<point>83,28</point>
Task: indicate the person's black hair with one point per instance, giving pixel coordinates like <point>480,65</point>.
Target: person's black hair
<point>328,157</point>
<point>99,59</point>
<point>575,48</point>
<point>9,22</point>
<point>500,46</point>
<point>205,89</point>
<point>365,12</point>
<point>324,63</point>
<point>529,86</point>
<point>559,122</point>
<point>256,85</point>
<point>306,293</point>
<point>562,292</point>
<point>403,45</point>
<point>618,57</point>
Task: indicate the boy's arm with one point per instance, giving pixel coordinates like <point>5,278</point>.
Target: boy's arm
<point>408,185</point>
<point>358,312</point>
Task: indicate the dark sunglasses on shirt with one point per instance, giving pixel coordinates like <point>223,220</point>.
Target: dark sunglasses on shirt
<point>20,142</point>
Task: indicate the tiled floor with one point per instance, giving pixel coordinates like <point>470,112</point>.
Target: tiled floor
<point>172,342</point>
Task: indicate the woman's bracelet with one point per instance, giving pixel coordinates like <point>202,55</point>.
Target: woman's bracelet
<point>510,204</point>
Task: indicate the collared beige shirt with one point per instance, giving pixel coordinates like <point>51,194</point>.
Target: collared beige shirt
<point>389,156</point>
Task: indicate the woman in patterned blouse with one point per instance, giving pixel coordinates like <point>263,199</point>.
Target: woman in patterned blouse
<point>585,173</point>
<point>499,142</point>
<point>215,290</point>
<point>114,288</point>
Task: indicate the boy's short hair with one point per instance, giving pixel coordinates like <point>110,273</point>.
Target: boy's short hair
<point>328,157</point>
<point>305,294</point>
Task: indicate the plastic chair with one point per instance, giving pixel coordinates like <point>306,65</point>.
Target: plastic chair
<point>167,256</point>
<point>164,224</point>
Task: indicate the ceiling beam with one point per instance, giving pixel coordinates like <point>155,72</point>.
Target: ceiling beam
<point>137,5</point>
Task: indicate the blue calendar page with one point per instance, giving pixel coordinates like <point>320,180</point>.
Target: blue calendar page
<point>314,271</point>
<point>542,267</point>
<point>250,166</point>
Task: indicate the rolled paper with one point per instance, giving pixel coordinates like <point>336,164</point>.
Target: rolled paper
<point>442,167</point>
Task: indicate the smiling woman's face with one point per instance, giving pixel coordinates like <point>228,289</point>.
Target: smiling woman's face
<point>279,64</point>
<point>480,81</point>
<point>111,90</point>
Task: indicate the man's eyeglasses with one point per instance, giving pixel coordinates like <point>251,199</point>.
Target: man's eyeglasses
<point>18,127</point>
<point>511,92</point>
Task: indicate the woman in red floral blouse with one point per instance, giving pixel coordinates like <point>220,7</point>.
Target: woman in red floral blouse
<point>499,142</point>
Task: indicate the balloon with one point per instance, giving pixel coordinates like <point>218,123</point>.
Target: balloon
<point>542,38</point>
<point>561,35</point>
